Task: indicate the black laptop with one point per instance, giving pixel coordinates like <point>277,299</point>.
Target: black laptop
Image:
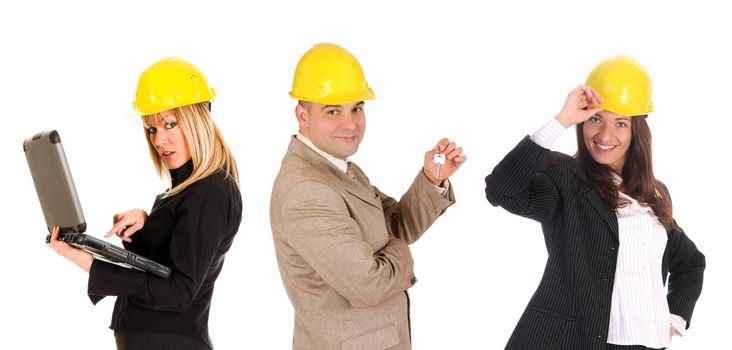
<point>61,207</point>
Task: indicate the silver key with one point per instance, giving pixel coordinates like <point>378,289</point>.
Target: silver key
<point>439,160</point>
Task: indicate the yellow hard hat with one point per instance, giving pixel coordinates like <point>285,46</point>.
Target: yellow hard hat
<point>331,75</point>
<point>624,86</point>
<point>171,83</point>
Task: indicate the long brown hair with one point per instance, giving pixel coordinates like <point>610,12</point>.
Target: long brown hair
<point>638,179</point>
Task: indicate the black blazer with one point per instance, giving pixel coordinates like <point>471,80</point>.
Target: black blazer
<point>190,232</point>
<point>571,307</point>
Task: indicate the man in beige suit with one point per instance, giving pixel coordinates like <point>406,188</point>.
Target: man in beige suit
<point>342,245</point>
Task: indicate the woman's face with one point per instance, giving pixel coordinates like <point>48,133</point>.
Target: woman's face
<point>607,136</point>
<point>168,139</point>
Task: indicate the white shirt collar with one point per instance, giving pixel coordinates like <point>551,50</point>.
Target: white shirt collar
<point>616,178</point>
<point>341,164</point>
<point>634,207</point>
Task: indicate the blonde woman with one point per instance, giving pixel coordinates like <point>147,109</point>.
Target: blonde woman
<point>190,227</point>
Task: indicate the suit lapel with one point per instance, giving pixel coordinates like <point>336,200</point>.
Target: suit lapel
<point>607,215</point>
<point>358,187</point>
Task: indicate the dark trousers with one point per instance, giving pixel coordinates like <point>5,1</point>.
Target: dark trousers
<point>628,347</point>
<point>128,340</point>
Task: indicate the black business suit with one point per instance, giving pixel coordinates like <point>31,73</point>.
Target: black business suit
<point>191,232</point>
<point>571,307</point>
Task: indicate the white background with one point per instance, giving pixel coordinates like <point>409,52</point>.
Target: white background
<point>482,74</point>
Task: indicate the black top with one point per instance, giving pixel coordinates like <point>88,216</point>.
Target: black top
<point>570,309</point>
<point>190,232</point>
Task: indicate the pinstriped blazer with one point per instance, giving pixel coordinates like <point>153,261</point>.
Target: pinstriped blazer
<point>571,307</point>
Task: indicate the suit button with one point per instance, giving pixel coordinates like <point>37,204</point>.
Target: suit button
<point>612,248</point>
<point>605,279</point>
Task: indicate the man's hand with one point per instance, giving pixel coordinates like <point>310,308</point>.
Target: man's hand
<point>454,158</point>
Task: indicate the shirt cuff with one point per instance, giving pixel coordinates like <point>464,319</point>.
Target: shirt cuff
<point>442,189</point>
<point>679,324</point>
<point>548,134</point>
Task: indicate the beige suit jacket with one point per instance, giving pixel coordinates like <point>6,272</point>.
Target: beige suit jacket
<point>346,280</point>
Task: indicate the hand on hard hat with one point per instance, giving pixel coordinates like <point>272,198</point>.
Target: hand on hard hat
<point>580,105</point>
<point>624,86</point>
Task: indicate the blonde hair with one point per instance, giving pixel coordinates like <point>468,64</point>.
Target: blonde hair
<point>209,152</point>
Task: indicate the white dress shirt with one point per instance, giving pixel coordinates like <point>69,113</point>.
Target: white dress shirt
<point>639,313</point>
